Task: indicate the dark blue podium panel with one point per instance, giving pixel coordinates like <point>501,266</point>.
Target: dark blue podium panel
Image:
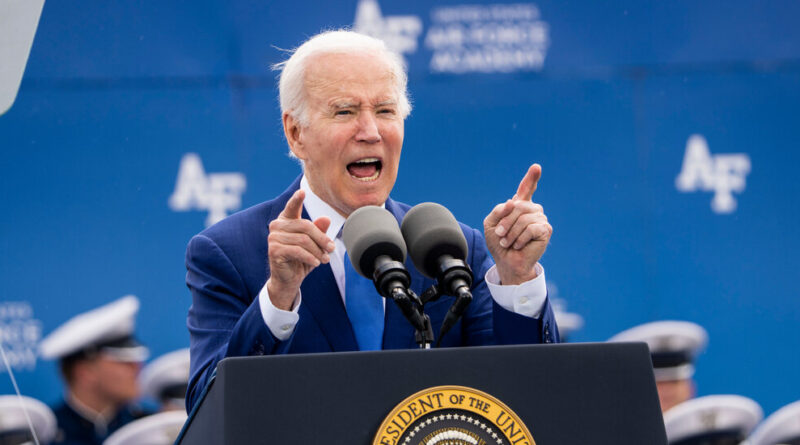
<point>601,394</point>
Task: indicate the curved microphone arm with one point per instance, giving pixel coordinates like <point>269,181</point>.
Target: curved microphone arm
<point>454,278</point>
<point>415,315</point>
<point>392,280</point>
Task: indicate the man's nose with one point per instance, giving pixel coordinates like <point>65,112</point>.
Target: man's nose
<point>368,128</point>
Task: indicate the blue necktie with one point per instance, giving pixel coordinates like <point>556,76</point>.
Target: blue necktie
<point>364,308</point>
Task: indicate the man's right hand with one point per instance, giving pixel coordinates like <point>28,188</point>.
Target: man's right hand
<point>296,247</point>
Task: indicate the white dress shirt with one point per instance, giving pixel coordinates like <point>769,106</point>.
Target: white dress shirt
<point>525,299</point>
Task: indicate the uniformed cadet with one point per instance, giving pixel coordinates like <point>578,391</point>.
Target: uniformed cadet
<point>712,420</point>
<point>674,346</point>
<point>157,429</point>
<point>781,428</point>
<point>99,361</point>
<point>165,380</point>
<point>14,426</point>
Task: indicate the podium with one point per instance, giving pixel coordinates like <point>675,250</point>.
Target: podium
<point>567,394</point>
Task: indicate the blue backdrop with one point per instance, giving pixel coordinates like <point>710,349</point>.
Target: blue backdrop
<point>609,97</point>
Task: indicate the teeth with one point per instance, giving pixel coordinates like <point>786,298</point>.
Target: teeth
<point>367,161</point>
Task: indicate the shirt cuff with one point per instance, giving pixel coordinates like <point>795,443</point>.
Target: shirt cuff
<point>281,323</point>
<point>524,299</point>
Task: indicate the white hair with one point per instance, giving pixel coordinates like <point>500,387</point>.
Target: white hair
<point>291,86</point>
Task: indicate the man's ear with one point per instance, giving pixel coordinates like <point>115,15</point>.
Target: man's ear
<point>293,132</point>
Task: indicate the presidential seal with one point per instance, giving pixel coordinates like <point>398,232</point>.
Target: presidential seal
<point>452,415</point>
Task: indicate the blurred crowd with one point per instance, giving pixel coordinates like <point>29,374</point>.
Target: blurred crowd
<point>102,366</point>
<point>106,375</point>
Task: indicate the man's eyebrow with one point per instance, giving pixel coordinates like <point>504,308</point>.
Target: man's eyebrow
<point>343,104</point>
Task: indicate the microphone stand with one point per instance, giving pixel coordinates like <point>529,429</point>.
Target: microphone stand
<point>392,280</point>
<point>424,337</point>
<point>454,278</point>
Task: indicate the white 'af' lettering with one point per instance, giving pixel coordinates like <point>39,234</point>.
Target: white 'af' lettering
<point>216,192</point>
<point>721,173</point>
<point>399,32</point>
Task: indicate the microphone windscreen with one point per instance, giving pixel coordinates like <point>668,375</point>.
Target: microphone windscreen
<point>430,231</point>
<point>370,232</point>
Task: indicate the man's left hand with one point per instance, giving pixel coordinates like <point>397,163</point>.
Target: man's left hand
<point>517,232</point>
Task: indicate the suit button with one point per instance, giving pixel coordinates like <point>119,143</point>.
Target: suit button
<point>259,349</point>
<point>547,337</point>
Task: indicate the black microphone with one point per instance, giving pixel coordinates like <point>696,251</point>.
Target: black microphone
<point>438,250</point>
<point>377,251</point>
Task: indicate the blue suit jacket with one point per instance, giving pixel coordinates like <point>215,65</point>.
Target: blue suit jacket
<point>227,267</point>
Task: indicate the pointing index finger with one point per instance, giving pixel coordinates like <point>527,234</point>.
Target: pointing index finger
<point>528,184</point>
<point>294,207</point>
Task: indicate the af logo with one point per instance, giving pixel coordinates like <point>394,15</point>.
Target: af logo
<point>452,415</point>
<point>218,193</point>
<point>399,32</point>
<point>721,173</point>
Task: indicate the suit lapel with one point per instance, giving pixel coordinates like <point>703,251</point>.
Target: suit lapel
<point>321,295</point>
<point>321,298</point>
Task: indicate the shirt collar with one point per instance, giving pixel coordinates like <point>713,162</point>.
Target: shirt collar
<point>316,207</point>
<point>100,420</point>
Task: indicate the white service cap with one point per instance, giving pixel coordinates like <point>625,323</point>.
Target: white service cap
<point>157,429</point>
<point>108,328</point>
<point>167,376</point>
<point>781,427</point>
<point>718,416</point>
<point>674,346</point>
<point>14,423</point>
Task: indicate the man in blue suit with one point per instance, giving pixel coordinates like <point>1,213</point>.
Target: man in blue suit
<point>272,279</point>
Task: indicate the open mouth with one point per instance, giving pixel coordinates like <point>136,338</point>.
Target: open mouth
<point>367,169</point>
